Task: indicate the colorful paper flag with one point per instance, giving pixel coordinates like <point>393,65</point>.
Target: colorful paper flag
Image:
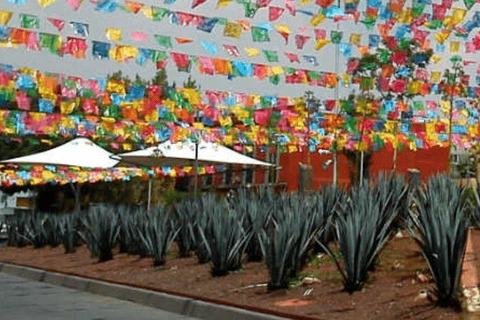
<point>113,34</point>
<point>5,17</point>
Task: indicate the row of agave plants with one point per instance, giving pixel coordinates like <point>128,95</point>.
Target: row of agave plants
<point>352,227</point>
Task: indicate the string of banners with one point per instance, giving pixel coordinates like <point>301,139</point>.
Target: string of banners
<point>130,115</point>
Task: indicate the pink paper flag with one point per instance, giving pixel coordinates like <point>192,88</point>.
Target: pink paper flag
<point>139,36</point>
<point>57,23</point>
<point>274,13</point>
<point>196,3</point>
<point>292,57</point>
<point>74,4</point>
<point>290,6</point>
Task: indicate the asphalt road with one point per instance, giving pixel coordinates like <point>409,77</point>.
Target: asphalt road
<point>21,299</point>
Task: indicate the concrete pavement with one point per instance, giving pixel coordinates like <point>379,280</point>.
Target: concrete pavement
<point>22,299</point>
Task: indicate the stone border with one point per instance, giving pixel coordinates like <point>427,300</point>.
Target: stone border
<point>168,302</point>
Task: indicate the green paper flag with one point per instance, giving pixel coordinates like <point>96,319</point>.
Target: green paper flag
<point>417,10</point>
<point>159,56</point>
<point>383,55</point>
<point>28,21</point>
<point>260,34</point>
<point>52,42</point>
<point>336,36</point>
<point>369,23</point>
<point>250,9</point>
<point>366,83</point>
<point>159,13</point>
<point>271,56</point>
<point>469,3</point>
<point>164,41</point>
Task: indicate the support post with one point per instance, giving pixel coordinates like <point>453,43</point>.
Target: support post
<point>76,194</point>
<point>335,167</point>
<point>195,178</point>
<point>361,167</point>
<point>149,201</point>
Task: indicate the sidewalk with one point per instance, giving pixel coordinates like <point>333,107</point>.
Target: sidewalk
<point>170,303</point>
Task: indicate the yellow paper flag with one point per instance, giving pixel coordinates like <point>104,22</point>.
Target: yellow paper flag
<point>317,19</point>
<point>454,46</point>
<point>252,52</point>
<point>45,3</point>
<point>321,43</point>
<point>222,3</point>
<point>5,17</point>
<point>355,38</point>
<point>113,34</point>
<point>283,28</point>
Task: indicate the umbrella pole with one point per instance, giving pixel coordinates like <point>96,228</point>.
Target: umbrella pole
<point>149,201</point>
<point>195,178</point>
<point>76,194</point>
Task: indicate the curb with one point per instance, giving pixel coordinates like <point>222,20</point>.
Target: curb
<point>168,302</point>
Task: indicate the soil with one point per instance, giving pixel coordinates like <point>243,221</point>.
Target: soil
<point>393,290</point>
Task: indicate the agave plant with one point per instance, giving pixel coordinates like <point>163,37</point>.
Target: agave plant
<point>392,192</point>
<point>67,230</point>
<point>100,229</point>
<point>158,234</point>
<point>325,204</point>
<point>362,227</point>
<point>131,220</point>
<point>440,227</point>
<point>256,211</point>
<point>225,239</point>
<point>186,215</point>
<point>289,236</point>
<point>52,225</point>
<point>16,230</point>
<point>35,231</point>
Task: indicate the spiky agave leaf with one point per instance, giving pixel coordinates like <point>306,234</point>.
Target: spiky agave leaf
<point>225,239</point>
<point>100,229</point>
<point>186,214</point>
<point>67,230</point>
<point>440,227</point>
<point>362,227</point>
<point>35,231</point>
<point>289,236</point>
<point>158,235</point>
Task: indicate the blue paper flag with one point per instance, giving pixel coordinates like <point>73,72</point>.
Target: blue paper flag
<point>100,49</point>
<point>45,105</point>
<point>80,28</point>
<point>373,40</point>
<point>210,47</point>
<point>207,24</point>
<point>106,5</point>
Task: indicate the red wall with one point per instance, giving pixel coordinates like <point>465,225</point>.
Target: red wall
<point>429,162</point>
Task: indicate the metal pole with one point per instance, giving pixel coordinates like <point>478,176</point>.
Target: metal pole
<point>335,153</point>
<point>335,167</point>
<point>149,201</point>
<point>76,195</point>
<point>195,178</point>
<point>361,168</point>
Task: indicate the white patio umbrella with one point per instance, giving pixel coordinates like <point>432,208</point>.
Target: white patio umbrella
<point>80,152</point>
<point>187,153</point>
<point>182,154</point>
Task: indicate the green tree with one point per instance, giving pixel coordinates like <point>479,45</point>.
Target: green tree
<point>191,83</point>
